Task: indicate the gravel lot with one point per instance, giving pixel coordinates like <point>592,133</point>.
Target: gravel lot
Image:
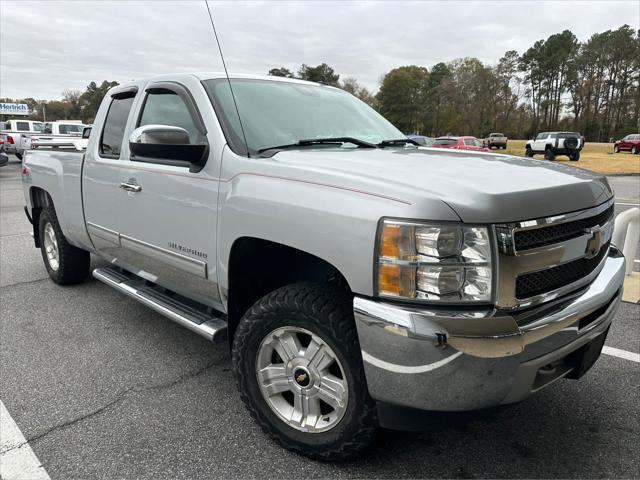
<point>103,387</point>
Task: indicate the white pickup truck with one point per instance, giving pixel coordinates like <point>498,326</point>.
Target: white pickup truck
<point>357,278</point>
<point>12,133</point>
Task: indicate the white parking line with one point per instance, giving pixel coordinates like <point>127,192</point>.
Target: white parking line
<point>628,204</point>
<point>616,352</point>
<point>17,460</point>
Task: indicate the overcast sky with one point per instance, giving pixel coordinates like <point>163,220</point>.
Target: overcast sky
<point>49,46</point>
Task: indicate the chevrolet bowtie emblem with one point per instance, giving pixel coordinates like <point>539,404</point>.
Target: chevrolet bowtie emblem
<point>594,244</point>
<point>301,378</point>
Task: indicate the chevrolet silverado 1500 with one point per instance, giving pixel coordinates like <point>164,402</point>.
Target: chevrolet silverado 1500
<point>357,278</point>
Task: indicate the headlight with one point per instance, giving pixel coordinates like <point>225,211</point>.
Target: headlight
<point>441,263</point>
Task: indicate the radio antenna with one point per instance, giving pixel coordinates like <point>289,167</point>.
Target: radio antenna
<point>226,72</point>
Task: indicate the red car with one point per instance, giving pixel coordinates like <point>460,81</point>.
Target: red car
<point>460,143</point>
<point>630,142</point>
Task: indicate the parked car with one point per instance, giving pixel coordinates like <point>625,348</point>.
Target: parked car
<point>11,133</point>
<point>460,143</point>
<point>357,281</point>
<point>4,158</point>
<point>552,144</point>
<point>422,140</point>
<point>630,142</point>
<point>497,140</point>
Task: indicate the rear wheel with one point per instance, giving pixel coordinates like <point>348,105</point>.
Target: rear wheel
<point>549,154</point>
<point>574,156</point>
<point>634,150</point>
<point>300,373</point>
<point>65,263</point>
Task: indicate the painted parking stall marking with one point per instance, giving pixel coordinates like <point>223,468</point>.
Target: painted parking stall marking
<point>17,460</point>
<point>616,352</point>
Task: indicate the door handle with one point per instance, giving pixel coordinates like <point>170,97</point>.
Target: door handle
<point>131,187</point>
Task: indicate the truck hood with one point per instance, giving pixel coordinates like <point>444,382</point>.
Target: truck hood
<point>479,187</point>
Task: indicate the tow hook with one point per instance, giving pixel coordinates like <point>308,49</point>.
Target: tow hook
<point>442,340</point>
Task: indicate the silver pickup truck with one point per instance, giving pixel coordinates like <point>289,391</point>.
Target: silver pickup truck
<point>358,279</point>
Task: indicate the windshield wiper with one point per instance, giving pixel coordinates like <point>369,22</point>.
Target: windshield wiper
<point>399,141</point>
<point>320,141</point>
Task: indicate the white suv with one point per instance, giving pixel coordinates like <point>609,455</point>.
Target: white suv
<point>551,144</point>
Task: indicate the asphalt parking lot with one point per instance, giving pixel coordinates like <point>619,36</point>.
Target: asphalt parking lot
<point>103,387</point>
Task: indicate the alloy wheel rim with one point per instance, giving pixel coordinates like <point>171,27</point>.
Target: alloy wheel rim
<point>51,247</point>
<point>301,379</point>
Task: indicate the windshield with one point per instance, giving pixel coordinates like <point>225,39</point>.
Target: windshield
<point>445,141</point>
<point>280,113</point>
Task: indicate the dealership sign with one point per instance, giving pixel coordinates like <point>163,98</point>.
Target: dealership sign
<point>14,109</point>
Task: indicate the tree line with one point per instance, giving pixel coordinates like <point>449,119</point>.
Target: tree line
<point>558,83</point>
<point>75,105</point>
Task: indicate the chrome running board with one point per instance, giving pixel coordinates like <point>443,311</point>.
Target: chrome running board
<point>199,319</point>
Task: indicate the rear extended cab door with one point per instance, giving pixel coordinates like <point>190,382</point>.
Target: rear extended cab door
<point>153,217</point>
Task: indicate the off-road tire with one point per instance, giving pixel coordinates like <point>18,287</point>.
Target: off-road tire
<point>528,152</point>
<point>549,154</point>
<point>634,150</point>
<point>574,156</point>
<point>73,262</point>
<point>326,311</point>
<point>616,149</point>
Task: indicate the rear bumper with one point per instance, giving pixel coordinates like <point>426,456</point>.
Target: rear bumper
<point>455,360</point>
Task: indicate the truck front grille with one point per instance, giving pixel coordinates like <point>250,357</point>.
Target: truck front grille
<point>535,283</point>
<point>542,259</point>
<point>539,237</point>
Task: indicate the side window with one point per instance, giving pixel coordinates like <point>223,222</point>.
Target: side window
<point>469,142</point>
<point>164,107</point>
<point>62,129</point>
<point>114,126</point>
<point>22,126</point>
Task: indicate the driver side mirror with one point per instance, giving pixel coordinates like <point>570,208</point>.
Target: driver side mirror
<point>168,145</point>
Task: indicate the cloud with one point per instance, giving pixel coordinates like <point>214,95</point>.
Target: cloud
<point>47,47</point>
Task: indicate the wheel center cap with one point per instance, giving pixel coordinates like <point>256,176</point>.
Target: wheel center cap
<point>301,377</point>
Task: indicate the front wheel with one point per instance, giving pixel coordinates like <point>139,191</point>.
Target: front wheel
<point>616,149</point>
<point>65,263</point>
<point>528,152</point>
<point>300,374</point>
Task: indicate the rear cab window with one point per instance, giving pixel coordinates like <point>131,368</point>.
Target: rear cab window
<point>22,126</point>
<point>115,124</point>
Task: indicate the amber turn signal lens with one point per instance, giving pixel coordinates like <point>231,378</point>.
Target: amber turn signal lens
<point>390,241</point>
<point>389,279</point>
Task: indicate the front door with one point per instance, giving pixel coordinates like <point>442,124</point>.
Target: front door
<point>166,214</point>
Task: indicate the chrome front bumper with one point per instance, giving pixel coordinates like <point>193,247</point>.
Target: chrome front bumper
<point>451,359</point>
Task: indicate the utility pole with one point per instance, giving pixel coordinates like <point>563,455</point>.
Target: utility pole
<point>44,112</point>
